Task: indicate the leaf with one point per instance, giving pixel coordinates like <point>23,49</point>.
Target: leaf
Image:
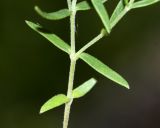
<point>143,3</point>
<point>84,5</point>
<point>50,36</point>
<point>54,102</point>
<point>119,8</point>
<point>103,69</point>
<point>84,88</point>
<point>58,15</point>
<point>63,13</point>
<point>102,12</point>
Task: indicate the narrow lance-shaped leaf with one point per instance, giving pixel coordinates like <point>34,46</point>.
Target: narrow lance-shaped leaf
<point>54,102</point>
<point>50,36</point>
<point>104,69</point>
<point>61,14</point>
<point>84,5</point>
<point>102,12</point>
<point>143,3</point>
<point>119,8</point>
<point>84,88</point>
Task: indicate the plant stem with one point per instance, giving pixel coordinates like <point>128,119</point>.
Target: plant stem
<point>89,44</point>
<point>126,2</point>
<point>69,4</point>
<point>73,27</point>
<point>119,17</point>
<point>72,65</point>
<point>69,94</point>
<point>127,8</point>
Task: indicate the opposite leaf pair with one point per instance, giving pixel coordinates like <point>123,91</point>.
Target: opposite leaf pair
<point>89,59</point>
<point>63,13</point>
<point>62,99</point>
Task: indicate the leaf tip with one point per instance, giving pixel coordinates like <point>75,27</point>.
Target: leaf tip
<point>41,111</point>
<point>36,8</point>
<point>126,85</point>
<point>94,80</point>
<point>28,22</point>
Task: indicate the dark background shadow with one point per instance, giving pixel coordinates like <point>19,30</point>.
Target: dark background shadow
<point>32,70</point>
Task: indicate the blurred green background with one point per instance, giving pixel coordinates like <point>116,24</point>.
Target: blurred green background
<point>32,70</point>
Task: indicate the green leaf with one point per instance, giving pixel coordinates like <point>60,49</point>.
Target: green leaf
<point>119,8</point>
<point>50,36</point>
<point>84,5</point>
<point>102,12</point>
<point>61,14</point>
<point>103,69</point>
<point>54,102</point>
<point>84,88</point>
<point>143,3</point>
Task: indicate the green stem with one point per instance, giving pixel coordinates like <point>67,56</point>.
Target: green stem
<point>69,4</point>
<point>73,27</point>
<point>69,94</point>
<point>72,20</point>
<point>89,44</point>
<point>72,65</point>
<point>121,15</point>
<point>126,2</point>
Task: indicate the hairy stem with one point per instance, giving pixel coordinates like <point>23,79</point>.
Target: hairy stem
<point>73,27</point>
<point>72,65</point>
<point>69,94</point>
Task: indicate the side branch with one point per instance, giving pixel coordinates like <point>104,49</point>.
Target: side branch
<point>93,41</point>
